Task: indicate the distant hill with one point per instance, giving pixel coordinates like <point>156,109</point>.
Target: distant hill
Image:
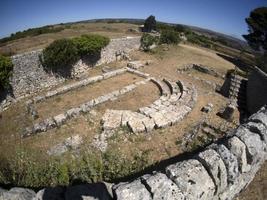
<point>231,41</point>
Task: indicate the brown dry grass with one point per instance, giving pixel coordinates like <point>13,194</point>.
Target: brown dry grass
<point>81,95</point>
<point>115,30</point>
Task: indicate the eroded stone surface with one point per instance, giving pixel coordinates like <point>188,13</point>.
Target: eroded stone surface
<point>162,188</point>
<point>132,191</point>
<point>18,194</point>
<point>238,148</point>
<point>229,160</point>
<point>192,179</point>
<point>215,166</point>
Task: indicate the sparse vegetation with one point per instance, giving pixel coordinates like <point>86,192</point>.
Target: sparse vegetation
<point>31,32</point>
<point>59,56</point>
<point>26,169</point>
<point>169,37</point>
<point>6,68</point>
<point>147,41</point>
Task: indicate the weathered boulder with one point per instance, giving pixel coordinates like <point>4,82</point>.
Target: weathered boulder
<point>229,160</point>
<point>18,194</point>
<point>238,148</point>
<point>162,188</point>
<point>192,179</point>
<point>212,161</point>
<point>131,191</point>
<point>60,119</point>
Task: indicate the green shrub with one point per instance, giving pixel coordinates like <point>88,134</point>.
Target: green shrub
<point>147,41</point>
<point>169,37</point>
<point>90,44</point>
<point>6,68</point>
<point>199,39</point>
<point>59,56</point>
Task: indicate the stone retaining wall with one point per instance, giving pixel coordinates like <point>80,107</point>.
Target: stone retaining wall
<point>256,90</point>
<point>29,76</point>
<point>220,171</point>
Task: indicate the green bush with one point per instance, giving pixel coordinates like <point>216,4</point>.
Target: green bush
<point>6,68</point>
<point>199,39</point>
<point>59,56</point>
<point>90,44</point>
<point>169,37</point>
<point>147,41</point>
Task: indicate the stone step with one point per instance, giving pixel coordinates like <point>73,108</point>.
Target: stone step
<point>164,89</point>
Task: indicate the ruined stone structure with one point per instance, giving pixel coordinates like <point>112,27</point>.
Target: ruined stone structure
<point>220,171</point>
<point>29,76</point>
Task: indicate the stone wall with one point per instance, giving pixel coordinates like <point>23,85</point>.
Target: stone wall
<point>220,171</point>
<point>256,90</point>
<point>29,76</point>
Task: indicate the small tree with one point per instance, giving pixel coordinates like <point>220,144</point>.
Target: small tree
<point>6,68</point>
<point>150,24</point>
<point>147,41</point>
<point>257,37</point>
<point>59,57</point>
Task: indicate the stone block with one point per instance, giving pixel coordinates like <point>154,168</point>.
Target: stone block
<point>131,191</point>
<point>136,125</point>
<point>149,124</point>
<point>192,179</point>
<point>159,120</point>
<point>229,160</point>
<point>60,119</point>
<point>111,119</point>
<point>255,145</point>
<point>238,148</point>
<point>213,163</point>
<point>162,187</point>
<point>17,193</point>
<point>73,112</point>
<point>50,123</point>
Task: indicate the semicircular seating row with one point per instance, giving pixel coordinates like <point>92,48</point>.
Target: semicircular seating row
<point>176,101</point>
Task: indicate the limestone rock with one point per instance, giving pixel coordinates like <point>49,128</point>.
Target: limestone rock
<point>71,143</point>
<point>60,119</point>
<point>253,142</point>
<point>111,119</point>
<point>192,179</point>
<point>18,194</point>
<point>135,64</point>
<point>238,148</point>
<point>214,164</point>
<point>132,191</point>
<point>162,188</point>
<point>229,160</point>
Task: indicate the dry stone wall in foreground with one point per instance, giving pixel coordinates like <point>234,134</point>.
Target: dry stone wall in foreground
<point>220,171</point>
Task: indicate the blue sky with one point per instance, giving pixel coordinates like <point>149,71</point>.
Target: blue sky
<point>226,16</point>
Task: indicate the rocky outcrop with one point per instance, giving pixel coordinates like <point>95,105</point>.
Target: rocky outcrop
<point>220,171</point>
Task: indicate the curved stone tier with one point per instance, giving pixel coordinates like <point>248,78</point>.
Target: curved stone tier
<point>176,101</point>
